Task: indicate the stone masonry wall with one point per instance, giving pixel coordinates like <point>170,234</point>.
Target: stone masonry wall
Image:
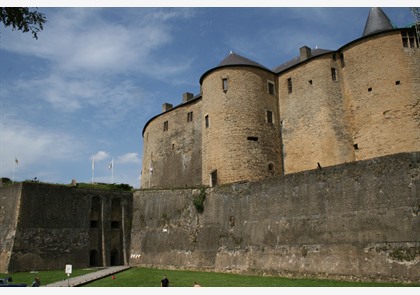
<point>381,84</point>
<point>53,226</point>
<point>359,220</point>
<point>173,154</point>
<point>9,209</point>
<point>239,142</point>
<point>313,117</point>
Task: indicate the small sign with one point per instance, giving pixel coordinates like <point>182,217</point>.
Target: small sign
<point>68,269</point>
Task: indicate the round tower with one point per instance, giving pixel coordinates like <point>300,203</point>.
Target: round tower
<point>241,132</point>
<point>381,74</point>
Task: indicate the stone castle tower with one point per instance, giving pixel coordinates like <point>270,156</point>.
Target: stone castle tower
<point>322,108</point>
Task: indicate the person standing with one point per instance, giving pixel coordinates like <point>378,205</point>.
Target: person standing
<point>164,282</point>
<point>36,282</point>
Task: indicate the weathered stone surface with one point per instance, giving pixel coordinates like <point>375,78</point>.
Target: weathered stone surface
<point>359,220</point>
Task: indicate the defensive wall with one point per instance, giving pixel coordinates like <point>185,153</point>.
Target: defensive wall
<point>45,226</point>
<point>358,220</point>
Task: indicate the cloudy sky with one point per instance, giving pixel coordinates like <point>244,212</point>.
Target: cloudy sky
<point>95,76</point>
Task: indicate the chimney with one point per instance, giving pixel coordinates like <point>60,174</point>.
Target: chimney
<point>305,53</point>
<point>166,107</point>
<point>187,96</point>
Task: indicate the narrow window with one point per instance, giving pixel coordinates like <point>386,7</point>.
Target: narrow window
<point>409,39</point>
<point>404,39</point>
<point>207,121</point>
<point>356,146</point>
<point>310,82</point>
<point>271,167</point>
<point>190,117</point>
<point>342,60</point>
<point>225,84</point>
<point>271,89</point>
<point>289,85</point>
<point>165,126</point>
<point>370,89</point>
<point>252,138</point>
<point>333,74</point>
<point>213,178</point>
<point>270,117</point>
<point>115,224</point>
<point>334,57</point>
<point>397,82</point>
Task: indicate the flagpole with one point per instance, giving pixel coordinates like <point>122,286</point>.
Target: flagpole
<point>14,164</point>
<point>93,168</point>
<point>112,170</point>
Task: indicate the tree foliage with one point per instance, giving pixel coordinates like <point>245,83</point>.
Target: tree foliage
<point>22,19</point>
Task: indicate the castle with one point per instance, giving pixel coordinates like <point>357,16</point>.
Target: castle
<point>323,108</point>
<point>311,169</point>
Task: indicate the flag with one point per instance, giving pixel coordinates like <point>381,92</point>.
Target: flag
<point>111,164</point>
<point>16,161</point>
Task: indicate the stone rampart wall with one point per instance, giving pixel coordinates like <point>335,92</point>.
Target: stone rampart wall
<point>9,209</point>
<point>359,220</point>
<point>53,227</point>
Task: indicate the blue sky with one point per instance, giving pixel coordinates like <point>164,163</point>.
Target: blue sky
<point>95,76</point>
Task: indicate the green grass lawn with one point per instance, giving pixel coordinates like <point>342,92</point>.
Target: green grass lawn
<point>150,277</point>
<point>46,277</point>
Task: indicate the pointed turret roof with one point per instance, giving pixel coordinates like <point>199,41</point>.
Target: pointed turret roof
<point>377,21</point>
<point>233,59</point>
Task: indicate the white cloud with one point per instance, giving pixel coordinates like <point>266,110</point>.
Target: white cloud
<point>100,156</point>
<point>129,158</point>
<point>83,39</point>
<point>36,148</point>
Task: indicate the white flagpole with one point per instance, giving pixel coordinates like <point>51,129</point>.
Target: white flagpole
<point>16,162</point>
<point>112,170</point>
<point>93,168</point>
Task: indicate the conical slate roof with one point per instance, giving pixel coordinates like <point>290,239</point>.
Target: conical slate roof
<point>377,21</point>
<point>234,59</point>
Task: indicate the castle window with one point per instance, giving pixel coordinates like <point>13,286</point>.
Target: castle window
<point>271,89</point>
<point>165,126</point>
<point>213,178</point>
<point>342,60</point>
<point>289,85</point>
<point>206,119</point>
<point>252,138</point>
<point>270,117</point>
<point>115,224</point>
<point>356,146</point>
<point>190,117</point>
<point>225,84</point>
<point>409,40</point>
<point>310,82</point>
<point>94,224</point>
<point>370,89</point>
<point>397,82</point>
<point>271,167</point>
<point>333,74</point>
<point>334,57</point>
